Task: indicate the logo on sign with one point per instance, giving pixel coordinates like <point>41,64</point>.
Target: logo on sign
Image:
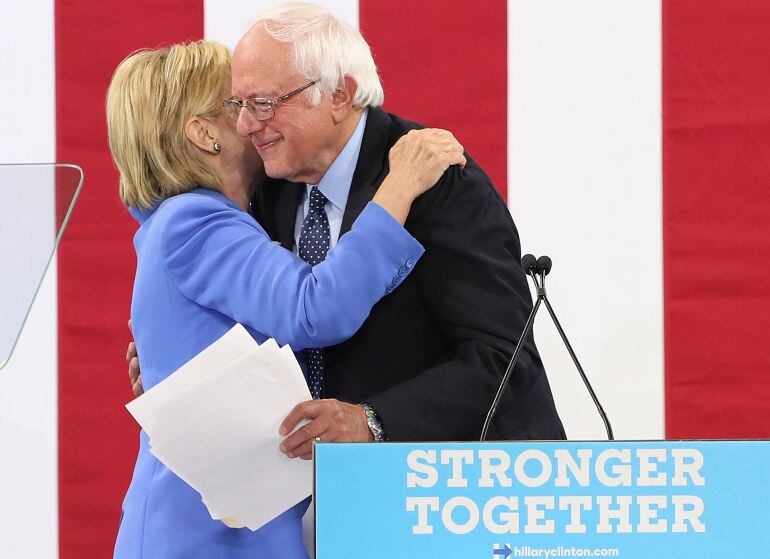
<point>501,551</point>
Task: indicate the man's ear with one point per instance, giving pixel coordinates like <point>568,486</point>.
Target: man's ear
<point>342,99</point>
<point>199,132</point>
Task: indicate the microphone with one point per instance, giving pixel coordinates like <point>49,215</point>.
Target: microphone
<point>529,264</point>
<point>538,269</point>
<point>544,265</point>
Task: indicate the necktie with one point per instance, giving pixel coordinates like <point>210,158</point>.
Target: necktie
<point>314,241</point>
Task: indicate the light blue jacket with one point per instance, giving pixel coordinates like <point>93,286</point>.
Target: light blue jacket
<point>203,264</point>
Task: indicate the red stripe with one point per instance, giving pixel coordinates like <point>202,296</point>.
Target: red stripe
<point>97,439</point>
<point>445,64</point>
<point>717,218</point>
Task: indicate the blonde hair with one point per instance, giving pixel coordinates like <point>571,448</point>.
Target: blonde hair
<point>152,95</point>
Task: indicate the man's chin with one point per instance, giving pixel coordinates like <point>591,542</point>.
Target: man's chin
<point>275,170</point>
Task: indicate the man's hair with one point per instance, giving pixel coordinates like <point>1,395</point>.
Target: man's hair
<point>324,48</point>
<point>152,95</point>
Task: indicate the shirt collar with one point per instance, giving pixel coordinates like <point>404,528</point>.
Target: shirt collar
<point>335,184</point>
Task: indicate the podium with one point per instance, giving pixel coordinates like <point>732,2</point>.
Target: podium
<point>37,201</point>
<point>495,500</point>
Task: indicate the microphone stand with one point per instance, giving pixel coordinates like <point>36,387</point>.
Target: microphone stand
<point>538,270</point>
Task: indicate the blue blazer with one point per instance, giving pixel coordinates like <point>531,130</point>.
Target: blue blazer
<point>203,264</point>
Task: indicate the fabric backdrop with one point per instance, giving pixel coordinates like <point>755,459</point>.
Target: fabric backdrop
<point>629,138</point>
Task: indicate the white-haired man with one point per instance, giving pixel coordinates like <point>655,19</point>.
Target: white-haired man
<point>427,362</point>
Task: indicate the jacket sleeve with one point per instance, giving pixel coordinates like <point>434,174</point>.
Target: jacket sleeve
<point>477,295</point>
<point>221,258</point>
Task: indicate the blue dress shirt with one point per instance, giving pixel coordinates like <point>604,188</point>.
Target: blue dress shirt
<point>335,185</point>
<point>203,264</point>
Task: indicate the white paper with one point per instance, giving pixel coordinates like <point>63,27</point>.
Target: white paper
<point>235,343</point>
<point>214,423</point>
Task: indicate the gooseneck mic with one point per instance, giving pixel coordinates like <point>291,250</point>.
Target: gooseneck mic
<point>537,269</point>
<point>529,264</point>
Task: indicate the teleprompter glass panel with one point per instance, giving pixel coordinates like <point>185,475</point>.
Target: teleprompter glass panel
<point>36,201</point>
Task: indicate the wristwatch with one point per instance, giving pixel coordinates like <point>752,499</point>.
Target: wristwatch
<point>374,423</point>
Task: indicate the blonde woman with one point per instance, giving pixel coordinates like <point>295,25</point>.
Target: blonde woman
<point>204,264</point>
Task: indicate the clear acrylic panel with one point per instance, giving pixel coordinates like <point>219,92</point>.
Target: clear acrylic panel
<point>36,201</point>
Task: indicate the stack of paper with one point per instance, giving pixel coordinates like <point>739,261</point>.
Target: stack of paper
<point>214,423</point>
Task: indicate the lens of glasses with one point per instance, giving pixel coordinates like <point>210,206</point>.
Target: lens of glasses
<point>260,109</point>
<point>232,109</point>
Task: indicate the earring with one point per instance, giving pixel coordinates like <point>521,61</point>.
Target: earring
<point>217,147</point>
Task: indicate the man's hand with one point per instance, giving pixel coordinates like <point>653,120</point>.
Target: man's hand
<point>330,421</point>
<point>134,374</point>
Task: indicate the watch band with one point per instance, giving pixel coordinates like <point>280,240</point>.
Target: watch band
<point>374,423</point>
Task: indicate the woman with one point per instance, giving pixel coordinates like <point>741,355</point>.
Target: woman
<point>204,264</point>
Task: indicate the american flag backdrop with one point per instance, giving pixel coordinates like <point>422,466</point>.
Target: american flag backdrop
<point>630,138</point>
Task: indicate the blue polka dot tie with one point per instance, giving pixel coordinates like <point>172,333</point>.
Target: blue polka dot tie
<point>314,241</point>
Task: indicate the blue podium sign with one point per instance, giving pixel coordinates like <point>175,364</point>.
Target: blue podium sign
<point>635,500</point>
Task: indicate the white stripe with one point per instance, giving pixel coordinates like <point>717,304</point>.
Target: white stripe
<point>584,140</point>
<point>28,484</point>
<point>226,21</point>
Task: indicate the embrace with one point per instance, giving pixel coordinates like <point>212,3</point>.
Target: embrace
<point>272,191</point>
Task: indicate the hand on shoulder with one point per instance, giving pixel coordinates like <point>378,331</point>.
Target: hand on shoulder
<point>417,162</point>
<point>420,157</point>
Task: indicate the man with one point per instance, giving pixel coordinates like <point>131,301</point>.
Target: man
<point>428,360</point>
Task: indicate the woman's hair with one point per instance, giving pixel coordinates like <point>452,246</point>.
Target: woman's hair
<point>152,95</point>
<point>325,48</point>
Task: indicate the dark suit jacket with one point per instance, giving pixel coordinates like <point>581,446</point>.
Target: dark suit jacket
<point>431,355</point>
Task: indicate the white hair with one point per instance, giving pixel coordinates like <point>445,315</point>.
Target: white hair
<point>325,48</point>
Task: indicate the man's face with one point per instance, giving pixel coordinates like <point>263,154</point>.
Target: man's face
<point>298,143</point>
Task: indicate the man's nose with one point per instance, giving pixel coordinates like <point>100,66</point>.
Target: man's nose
<point>247,124</point>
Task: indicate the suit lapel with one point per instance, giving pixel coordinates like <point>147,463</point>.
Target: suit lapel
<point>288,197</point>
<point>371,168</point>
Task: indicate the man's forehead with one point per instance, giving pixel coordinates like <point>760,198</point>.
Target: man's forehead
<point>262,84</point>
<point>261,65</point>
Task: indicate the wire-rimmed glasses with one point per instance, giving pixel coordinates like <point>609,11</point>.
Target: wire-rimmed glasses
<point>259,107</point>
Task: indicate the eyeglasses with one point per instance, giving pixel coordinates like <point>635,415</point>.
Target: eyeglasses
<point>259,107</point>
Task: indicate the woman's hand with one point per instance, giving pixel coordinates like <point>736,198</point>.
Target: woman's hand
<point>417,161</point>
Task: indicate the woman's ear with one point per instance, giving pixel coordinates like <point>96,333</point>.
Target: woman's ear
<point>201,133</point>
<point>342,98</point>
